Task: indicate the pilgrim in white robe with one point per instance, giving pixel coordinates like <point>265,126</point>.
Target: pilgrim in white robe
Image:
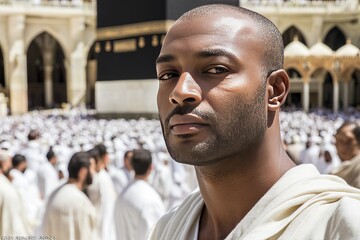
<point>303,204</point>
<point>25,183</point>
<point>48,179</point>
<point>324,166</point>
<point>69,215</point>
<point>35,154</point>
<point>120,177</point>
<point>349,171</point>
<point>13,221</point>
<point>136,211</point>
<point>103,195</point>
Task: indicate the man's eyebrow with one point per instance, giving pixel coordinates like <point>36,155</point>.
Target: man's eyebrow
<point>165,58</point>
<point>216,52</point>
<point>202,54</point>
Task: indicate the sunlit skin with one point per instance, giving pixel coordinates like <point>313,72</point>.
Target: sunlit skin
<point>226,120</point>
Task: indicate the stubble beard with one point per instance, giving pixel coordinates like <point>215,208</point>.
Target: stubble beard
<point>239,130</point>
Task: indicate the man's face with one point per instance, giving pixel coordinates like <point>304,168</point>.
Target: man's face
<point>346,144</point>
<point>211,96</point>
<point>6,166</point>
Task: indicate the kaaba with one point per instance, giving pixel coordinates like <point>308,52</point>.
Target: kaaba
<point>129,37</point>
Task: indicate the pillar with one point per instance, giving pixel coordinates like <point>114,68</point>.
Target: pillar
<point>17,65</point>
<point>306,95</point>
<point>76,81</point>
<point>48,76</point>
<point>336,96</point>
<point>346,95</point>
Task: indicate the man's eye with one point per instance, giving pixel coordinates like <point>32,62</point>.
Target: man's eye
<point>216,70</point>
<point>167,76</point>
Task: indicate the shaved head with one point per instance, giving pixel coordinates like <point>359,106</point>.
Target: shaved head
<point>268,33</point>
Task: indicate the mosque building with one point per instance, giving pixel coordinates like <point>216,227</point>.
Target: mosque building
<point>102,54</point>
<point>322,56</point>
<point>46,57</point>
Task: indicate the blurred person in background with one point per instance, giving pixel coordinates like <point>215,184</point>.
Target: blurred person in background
<point>121,177</point>
<point>139,206</point>
<point>24,181</point>
<point>69,213</point>
<point>48,175</point>
<point>13,220</point>
<point>348,148</point>
<point>102,193</point>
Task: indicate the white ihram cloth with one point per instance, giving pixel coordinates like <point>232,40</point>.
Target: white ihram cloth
<point>120,177</point>
<point>302,205</point>
<point>48,179</point>
<point>103,195</point>
<point>13,221</point>
<point>26,185</point>
<point>69,215</point>
<point>136,211</point>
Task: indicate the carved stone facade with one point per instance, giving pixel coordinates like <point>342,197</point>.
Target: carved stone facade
<point>44,52</point>
<point>48,48</point>
<point>324,60</point>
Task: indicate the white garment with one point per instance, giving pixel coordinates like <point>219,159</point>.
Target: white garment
<point>35,155</point>
<point>48,179</point>
<point>136,211</point>
<point>302,205</point>
<point>103,195</point>
<point>171,192</point>
<point>310,155</point>
<point>69,215</point>
<point>120,177</point>
<point>25,184</point>
<point>326,167</point>
<point>13,221</point>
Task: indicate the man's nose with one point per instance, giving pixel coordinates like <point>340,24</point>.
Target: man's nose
<point>186,92</point>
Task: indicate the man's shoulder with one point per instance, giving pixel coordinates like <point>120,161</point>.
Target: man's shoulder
<point>69,195</point>
<point>179,219</point>
<point>345,222</point>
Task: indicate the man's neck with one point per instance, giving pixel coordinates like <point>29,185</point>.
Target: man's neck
<point>141,177</point>
<point>77,183</point>
<point>230,190</point>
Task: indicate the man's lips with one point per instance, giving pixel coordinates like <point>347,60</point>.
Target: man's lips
<point>186,124</point>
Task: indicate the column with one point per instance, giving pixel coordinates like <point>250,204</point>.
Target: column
<point>77,76</point>
<point>336,96</point>
<point>306,95</point>
<point>346,95</point>
<point>17,65</point>
<point>48,77</point>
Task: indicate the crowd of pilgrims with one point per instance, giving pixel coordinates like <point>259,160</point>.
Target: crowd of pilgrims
<point>41,143</point>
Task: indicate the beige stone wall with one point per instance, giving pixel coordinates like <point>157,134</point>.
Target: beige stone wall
<point>74,28</point>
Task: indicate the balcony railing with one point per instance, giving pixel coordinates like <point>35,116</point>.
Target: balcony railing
<point>317,5</point>
<point>75,4</point>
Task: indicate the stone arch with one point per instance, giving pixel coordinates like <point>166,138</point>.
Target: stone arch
<point>335,38</point>
<point>289,34</point>
<point>46,72</point>
<point>322,88</point>
<point>293,72</point>
<point>294,98</point>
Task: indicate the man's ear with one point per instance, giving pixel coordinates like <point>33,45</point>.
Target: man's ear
<point>277,88</point>
<point>82,173</point>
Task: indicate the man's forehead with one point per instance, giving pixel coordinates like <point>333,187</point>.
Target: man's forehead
<point>230,28</point>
